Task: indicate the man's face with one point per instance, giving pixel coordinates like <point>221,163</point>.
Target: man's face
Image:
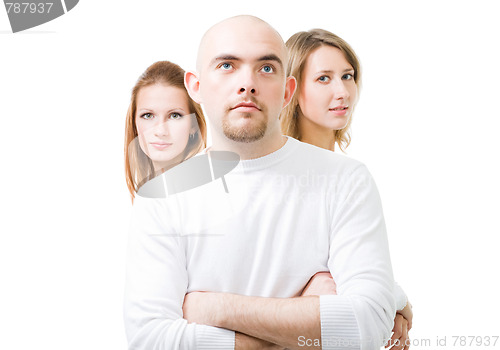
<point>242,79</point>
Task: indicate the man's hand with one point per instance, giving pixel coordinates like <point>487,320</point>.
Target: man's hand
<point>399,337</point>
<point>407,313</point>
<point>201,308</point>
<point>321,283</point>
<point>402,325</point>
<point>246,342</point>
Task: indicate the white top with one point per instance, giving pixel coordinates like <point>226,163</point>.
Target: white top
<point>287,215</point>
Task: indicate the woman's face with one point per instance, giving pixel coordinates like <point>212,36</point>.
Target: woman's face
<point>327,90</point>
<point>163,123</point>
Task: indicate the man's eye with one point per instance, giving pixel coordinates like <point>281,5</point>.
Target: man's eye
<point>175,116</point>
<point>147,116</point>
<point>268,69</point>
<point>324,79</point>
<point>347,76</point>
<point>226,66</point>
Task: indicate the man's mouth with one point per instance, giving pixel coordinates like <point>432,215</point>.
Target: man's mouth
<point>246,106</point>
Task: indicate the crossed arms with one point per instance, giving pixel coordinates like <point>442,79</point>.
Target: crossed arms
<point>235,312</point>
<point>257,329</point>
<point>275,320</point>
<point>361,315</point>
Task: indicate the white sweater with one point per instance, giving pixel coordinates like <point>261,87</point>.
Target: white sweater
<point>287,215</point>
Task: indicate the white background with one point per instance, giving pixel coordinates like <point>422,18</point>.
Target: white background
<point>426,126</point>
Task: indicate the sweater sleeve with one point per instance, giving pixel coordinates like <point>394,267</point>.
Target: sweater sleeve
<point>401,297</point>
<point>361,315</point>
<point>155,286</point>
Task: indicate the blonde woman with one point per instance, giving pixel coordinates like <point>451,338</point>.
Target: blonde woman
<point>164,126</point>
<point>320,113</point>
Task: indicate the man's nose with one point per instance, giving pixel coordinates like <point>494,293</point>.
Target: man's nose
<point>248,84</point>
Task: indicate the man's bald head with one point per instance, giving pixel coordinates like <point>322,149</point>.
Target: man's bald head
<point>240,26</point>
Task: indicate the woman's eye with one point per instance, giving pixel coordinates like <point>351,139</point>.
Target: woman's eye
<point>175,116</point>
<point>348,76</point>
<point>268,69</point>
<point>324,79</point>
<point>147,116</point>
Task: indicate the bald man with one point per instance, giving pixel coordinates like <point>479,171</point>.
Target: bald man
<point>243,108</point>
<point>208,269</point>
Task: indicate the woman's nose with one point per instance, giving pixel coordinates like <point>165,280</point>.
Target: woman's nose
<point>340,90</point>
<point>161,128</point>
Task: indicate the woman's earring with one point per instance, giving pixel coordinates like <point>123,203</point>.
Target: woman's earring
<point>191,136</point>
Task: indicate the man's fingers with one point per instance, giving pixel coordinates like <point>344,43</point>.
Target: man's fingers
<point>405,339</point>
<point>410,322</point>
<point>321,283</point>
<point>398,326</point>
<point>407,313</point>
<point>396,343</point>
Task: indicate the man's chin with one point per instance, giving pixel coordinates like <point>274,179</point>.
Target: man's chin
<point>246,127</point>
<point>244,137</point>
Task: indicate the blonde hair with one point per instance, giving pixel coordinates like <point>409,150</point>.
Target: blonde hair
<point>138,166</point>
<point>300,45</point>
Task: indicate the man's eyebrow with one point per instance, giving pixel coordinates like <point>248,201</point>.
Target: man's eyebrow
<point>271,57</point>
<point>224,58</point>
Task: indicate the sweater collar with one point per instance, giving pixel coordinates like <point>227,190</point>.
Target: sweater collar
<point>266,161</point>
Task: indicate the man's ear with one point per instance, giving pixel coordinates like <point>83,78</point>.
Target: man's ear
<point>192,84</point>
<point>290,87</point>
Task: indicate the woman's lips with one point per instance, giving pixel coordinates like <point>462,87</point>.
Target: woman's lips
<point>160,145</point>
<point>339,111</point>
